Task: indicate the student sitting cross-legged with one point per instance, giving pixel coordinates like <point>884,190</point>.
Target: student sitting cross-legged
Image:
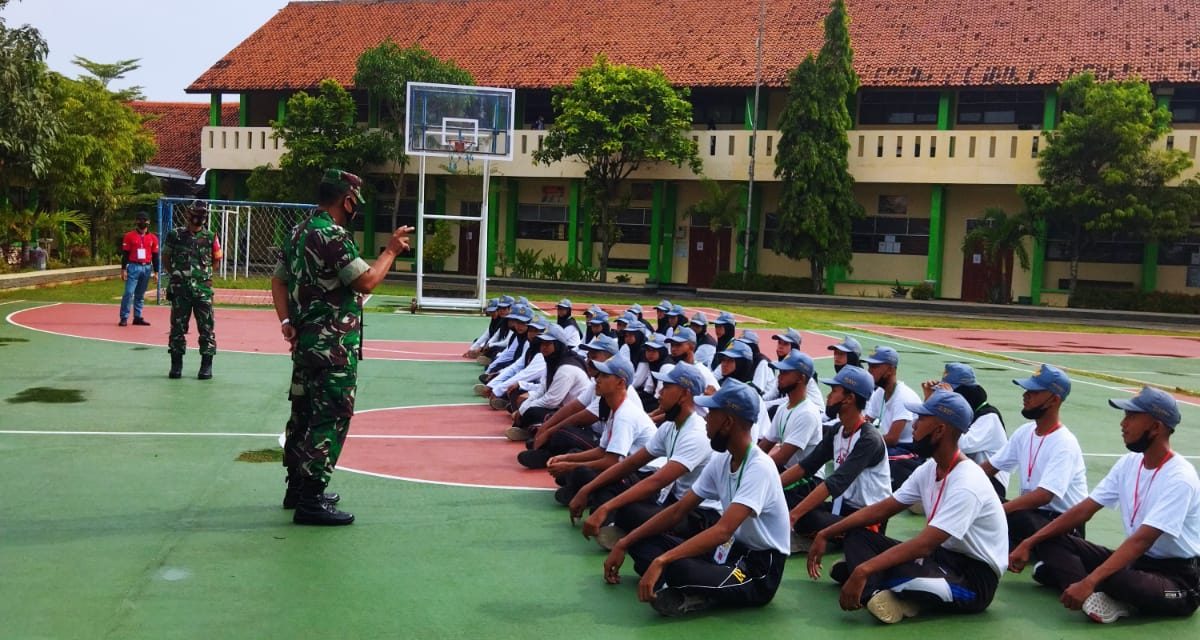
<point>737,562</point>
<point>682,442</point>
<point>1156,570</point>
<point>954,564</point>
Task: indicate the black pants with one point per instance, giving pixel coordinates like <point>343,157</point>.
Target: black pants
<point>746,578</point>
<point>568,439</point>
<point>632,516</point>
<point>1022,524</point>
<point>574,480</point>
<point>649,402</point>
<point>813,521</point>
<point>536,415</point>
<point>944,581</point>
<point>1164,587</point>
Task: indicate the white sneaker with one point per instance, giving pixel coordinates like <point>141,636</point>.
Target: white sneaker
<point>916,508</point>
<point>889,608</point>
<point>1105,609</point>
<point>482,390</point>
<point>516,434</point>
<point>608,536</point>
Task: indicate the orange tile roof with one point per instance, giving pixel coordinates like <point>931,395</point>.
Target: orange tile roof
<point>898,43</point>
<point>176,128</point>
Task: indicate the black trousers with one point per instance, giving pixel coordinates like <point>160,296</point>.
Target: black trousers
<point>813,521</point>
<point>632,516</point>
<point>1163,587</point>
<point>944,581</point>
<point>1022,524</point>
<point>536,415</point>
<point>568,439</point>
<point>579,476</point>
<point>746,578</point>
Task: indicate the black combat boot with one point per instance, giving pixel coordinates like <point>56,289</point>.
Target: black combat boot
<point>176,371</point>
<point>205,368</point>
<point>291,496</point>
<point>312,510</point>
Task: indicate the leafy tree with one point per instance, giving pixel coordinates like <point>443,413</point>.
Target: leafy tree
<point>384,72</point>
<point>320,131</point>
<point>999,237</point>
<point>1100,174</point>
<point>817,206</point>
<point>721,206</point>
<point>613,119</point>
<point>106,72</point>
<point>28,122</point>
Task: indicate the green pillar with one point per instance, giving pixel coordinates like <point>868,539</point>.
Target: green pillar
<point>214,184</point>
<point>243,110</point>
<point>937,238</point>
<point>281,109</point>
<point>742,228</point>
<point>1037,275</point>
<point>656,212</point>
<point>587,232</point>
<point>214,110</point>
<point>493,227</point>
<point>1150,266</point>
<point>666,248</point>
<point>510,219</point>
<point>833,275</point>
<point>369,226</point>
<point>1050,110</point>
<point>573,191</point>
<point>945,107</point>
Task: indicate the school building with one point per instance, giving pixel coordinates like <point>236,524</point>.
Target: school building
<point>948,122</point>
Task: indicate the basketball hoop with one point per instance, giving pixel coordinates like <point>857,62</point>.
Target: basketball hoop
<point>460,146</point>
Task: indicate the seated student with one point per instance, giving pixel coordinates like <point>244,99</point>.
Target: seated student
<point>518,322</point>
<point>706,345</point>
<point>683,349</point>
<point>1156,570</point>
<point>860,467</point>
<point>954,564</point>
<point>987,435</point>
<point>501,336</point>
<point>576,424</point>
<point>677,321</point>
<point>682,442</point>
<point>725,328</point>
<point>636,310</point>
<point>657,358</point>
<point>886,408</point>
<point>564,378</point>
<point>566,320</point>
<point>763,374</point>
<point>786,344</point>
<point>506,389</point>
<point>846,352</point>
<point>737,562</point>
<point>635,344</point>
<point>1045,455</point>
<point>597,325</point>
<point>660,317</point>
<point>796,428</point>
<point>627,428</point>
<point>737,363</point>
<point>479,343</point>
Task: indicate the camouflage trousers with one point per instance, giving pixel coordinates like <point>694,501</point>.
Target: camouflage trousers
<point>322,405</point>
<point>183,307</point>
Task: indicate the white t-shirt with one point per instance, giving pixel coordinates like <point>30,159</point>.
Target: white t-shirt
<point>709,381</point>
<point>893,409</point>
<point>799,426</point>
<point>985,437</point>
<point>1167,498</point>
<point>963,505</point>
<point>874,483</point>
<point>755,485</point>
<point>629,429</point>
<point>1053,463</point>
<point>687,445</point>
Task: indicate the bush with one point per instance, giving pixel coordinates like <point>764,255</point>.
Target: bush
<point>438,247</point>
<point>525,263</point>
<point>1133,300</point>
<point>762,282</point>
<point>549,268</point>
<point>624,278</point>
<point>577,272</point>
<point>922,291</point>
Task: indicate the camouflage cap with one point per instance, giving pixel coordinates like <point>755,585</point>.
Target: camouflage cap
<point>346,181</point>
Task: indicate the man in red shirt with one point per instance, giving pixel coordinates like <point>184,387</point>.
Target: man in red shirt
<point>139,261</point>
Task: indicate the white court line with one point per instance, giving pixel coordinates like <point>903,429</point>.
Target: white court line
<point>908,342</point>
<point>440,483</point>
<point>10,302</point>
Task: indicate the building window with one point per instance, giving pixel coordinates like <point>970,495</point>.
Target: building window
<point>634,225</point>
<point>898,107</point>
<point>890,234</point>
<point>1022,107</point>
<point>711,107</point>
<point>1104,249</point>
<point>542,221</point>
<point>1181,253</point>
<point>1185,104</point>
<point>406,214</point>
<point>770,228</point>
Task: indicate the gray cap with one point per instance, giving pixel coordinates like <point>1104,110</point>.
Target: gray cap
<point>565,303</point>
<point>797,360</point>
<point>598,318</point>
<point>539,322</point>
<point>736,397</point>
<point>748,337</point>
<point>677,310</point>
<point>616,366</point>
<point>492,305</point>
<point>737,350</point>
<point>791,336</point>
<point>656,341</point>
<point>947,406</point>
<point>700,319</point>
<point>505,301</point>
<point>685,375</point>
<point>554,333</point>
<point>635,308</point>
<point>520,313</point>
<point>854,380</point>
<point>683,335</point>
<point>1047,378</point>
<point>848,345</point>
<point>1155,402</point>
<point>664,305</point>
<point>957,374</point>
<point>883,355</point>
<point>602,343</point>
<point>725,318</point>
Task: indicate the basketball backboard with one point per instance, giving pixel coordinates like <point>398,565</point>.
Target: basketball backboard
<point>453,120</point>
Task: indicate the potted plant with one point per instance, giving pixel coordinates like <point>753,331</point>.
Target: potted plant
<point>899,291</point>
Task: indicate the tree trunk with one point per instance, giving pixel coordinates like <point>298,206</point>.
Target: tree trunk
<point>605,247</point>
<point>817,272</point>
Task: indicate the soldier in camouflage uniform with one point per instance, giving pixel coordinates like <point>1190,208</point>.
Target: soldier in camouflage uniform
<point>318,279</point>
<point>188,253</point>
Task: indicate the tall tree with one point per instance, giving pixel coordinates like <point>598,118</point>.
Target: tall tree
<point>613,119</point>
<point>320,131</point>
<point>816,205</point>
<point>384,72</point>
<point>1100,173</point>
<point>28,122</point>
<point>106,72</point>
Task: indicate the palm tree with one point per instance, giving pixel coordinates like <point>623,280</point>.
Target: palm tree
<point>999,237</point>
<point>720,206</point>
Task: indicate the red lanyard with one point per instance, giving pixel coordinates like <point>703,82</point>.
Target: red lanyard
<point>1137,485</point>
<point>1033,455</point>
<point>945,481</point>
<point>841,455</point>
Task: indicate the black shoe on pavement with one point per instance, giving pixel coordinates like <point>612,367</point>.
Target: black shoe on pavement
<point>311,509</point>
<point>205,372</point>
<point>176,367</point>
<point>123,323</point>
<point>140,322</point>
<point>533,458</point>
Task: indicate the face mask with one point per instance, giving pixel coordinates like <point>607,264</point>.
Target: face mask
<point>143,225</point>
<point>832,411</point>
<point>719,443</point>
<point>924,447</point>
<point>788,389</point>
<point>198,221</point>
<point>1141,444</point>
<point>883,382</point>
<point>352,211</point>
<point>838,367</point>
<point>672,414</point>
<point>1035,413</point>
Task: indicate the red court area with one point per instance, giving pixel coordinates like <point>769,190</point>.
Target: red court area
<point>238,330</point>
<point>458,444</point>
<point>1050,341</point>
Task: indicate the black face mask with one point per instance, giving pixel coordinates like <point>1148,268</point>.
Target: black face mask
<point>1141,444</point>
<point>143,225</point>
<point>832,410</point>
<point>719,443</point>
<point>838,367</point>
<point>924,447</point>
<point>1035,413</point>
<point>672,414</point>
<point>351,211</point>
<point>883,382</point>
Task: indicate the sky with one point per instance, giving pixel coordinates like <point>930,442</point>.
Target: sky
<point>176,40</point>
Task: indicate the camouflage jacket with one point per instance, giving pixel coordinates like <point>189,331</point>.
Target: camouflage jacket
<point>318,261</point>
<point>189,260</point>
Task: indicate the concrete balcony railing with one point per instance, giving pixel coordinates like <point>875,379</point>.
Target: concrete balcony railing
<point>876,156</point>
